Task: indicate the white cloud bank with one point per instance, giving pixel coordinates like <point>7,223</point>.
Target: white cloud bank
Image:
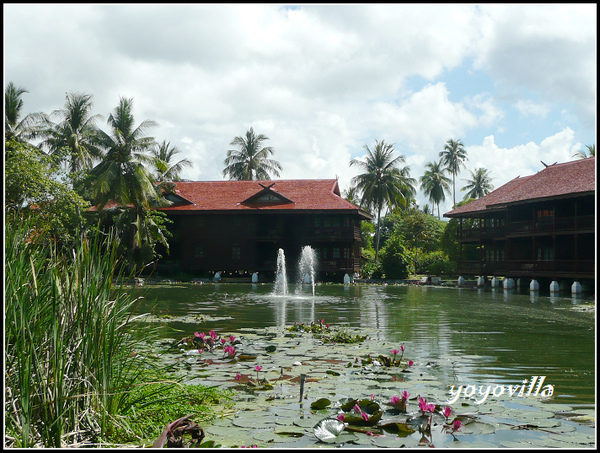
<point>322,81</point>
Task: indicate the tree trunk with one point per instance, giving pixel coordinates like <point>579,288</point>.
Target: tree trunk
<point>378,233</point>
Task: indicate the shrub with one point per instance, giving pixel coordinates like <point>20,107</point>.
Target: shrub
<point>396,259</point>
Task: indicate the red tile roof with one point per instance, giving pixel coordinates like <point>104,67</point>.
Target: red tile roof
<point>555,181</point>
<point>296,195</point>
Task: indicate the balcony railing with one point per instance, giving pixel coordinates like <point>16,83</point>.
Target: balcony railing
<point>556,225</point>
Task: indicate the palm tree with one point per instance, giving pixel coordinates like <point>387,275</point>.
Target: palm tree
<point>121,177</point>
<point>453,156</point>
<point>165,169</point>
<point>30,127</point>
<point>251,160</point>
<point>382,184</point>
<point>479,185</point>
<point>435,183</point>
<point>76,132</point>
<point>583,155</point>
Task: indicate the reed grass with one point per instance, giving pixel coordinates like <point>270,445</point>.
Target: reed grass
<point>71,359</point>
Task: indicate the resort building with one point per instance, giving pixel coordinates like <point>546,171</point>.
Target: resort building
<point>537,229</point>
<point>236,228</point>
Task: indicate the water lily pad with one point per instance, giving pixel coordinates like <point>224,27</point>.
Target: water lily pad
<point>258,419</point>
<point>307,422</point>
<point>328,430</point>
<point>321,403</point>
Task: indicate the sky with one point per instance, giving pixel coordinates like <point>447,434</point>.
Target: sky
<point>515,83</point>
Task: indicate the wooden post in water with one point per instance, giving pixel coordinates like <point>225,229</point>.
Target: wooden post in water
<point>302,379</point>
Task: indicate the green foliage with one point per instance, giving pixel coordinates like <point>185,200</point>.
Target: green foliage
<point>139,231</point>
<point>419,230</point>
<point>396,259</point>
<point>448,241</point>
<point>145,418</point>
<point>367,232</point>
<point>32,191</point>
<point>434,263</point>
<point>372,269</point>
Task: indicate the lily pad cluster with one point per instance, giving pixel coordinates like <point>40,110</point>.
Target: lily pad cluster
<point>324,332</point>
<point>336,408</point>
<point>367,416</point>
<point>201,342</point>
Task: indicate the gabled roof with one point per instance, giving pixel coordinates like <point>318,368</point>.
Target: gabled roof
<point>267,195</point>
<point>564,180</point>
<point>291,195</point>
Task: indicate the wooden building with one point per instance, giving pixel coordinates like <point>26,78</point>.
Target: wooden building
<point>538,227</point>
<point>237,227</point>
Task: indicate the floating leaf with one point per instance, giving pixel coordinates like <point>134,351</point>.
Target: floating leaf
<point>328,430</point>
<point>402,429</point>
<point>321,403</point>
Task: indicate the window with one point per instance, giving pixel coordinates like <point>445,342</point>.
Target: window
<point>236,253</point>
<point>336,252</point>
<point>199,252</point>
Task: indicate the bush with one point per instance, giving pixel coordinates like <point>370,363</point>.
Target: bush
<point>396,259</point>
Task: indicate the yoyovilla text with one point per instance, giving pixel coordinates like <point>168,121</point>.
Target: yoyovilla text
<point>480,393</point>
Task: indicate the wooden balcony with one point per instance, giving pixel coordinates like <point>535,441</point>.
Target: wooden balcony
<point>560,225</point>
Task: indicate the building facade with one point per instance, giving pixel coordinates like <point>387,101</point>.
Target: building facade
<point>539,227</point>
<point>236,228</point>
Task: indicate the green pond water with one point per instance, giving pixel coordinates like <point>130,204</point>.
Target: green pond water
<point>455,337</point>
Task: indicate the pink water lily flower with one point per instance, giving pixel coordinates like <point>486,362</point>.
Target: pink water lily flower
<point>395,351</point>
<point>402,347</point>
<point>447,412</point>
<point>231,339</point>
<point>341,418</point>
<point>405,395</point>
<point>258,368</point>
<point>410,363</point>
<point>456,425</point>
<point>238,377</point>
<point>213,334</point>
<point>394,400</point>
<point>357,408</point>
<point>425,407</point>
<point>365,416</point>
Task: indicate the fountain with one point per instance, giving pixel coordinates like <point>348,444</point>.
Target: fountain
<point>281,285</point>
<point>307,266</point>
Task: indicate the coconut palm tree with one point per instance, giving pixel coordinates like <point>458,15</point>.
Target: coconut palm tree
<point>165,169</point>
<point>251,160</point>
<point>382,184</point>
<point>453,156</point>
<point>435,183</point>
<point>76,132</point>
<point>121,177</point>
<point>31,126</point>
<point>479,185</point>
<point>582,154</point>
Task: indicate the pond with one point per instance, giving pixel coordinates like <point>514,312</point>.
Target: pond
<point>485,340</point>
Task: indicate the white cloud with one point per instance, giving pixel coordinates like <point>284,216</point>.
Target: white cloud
<point>530,108</point>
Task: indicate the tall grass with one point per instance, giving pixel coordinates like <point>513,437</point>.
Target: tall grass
<point>69,343</point>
